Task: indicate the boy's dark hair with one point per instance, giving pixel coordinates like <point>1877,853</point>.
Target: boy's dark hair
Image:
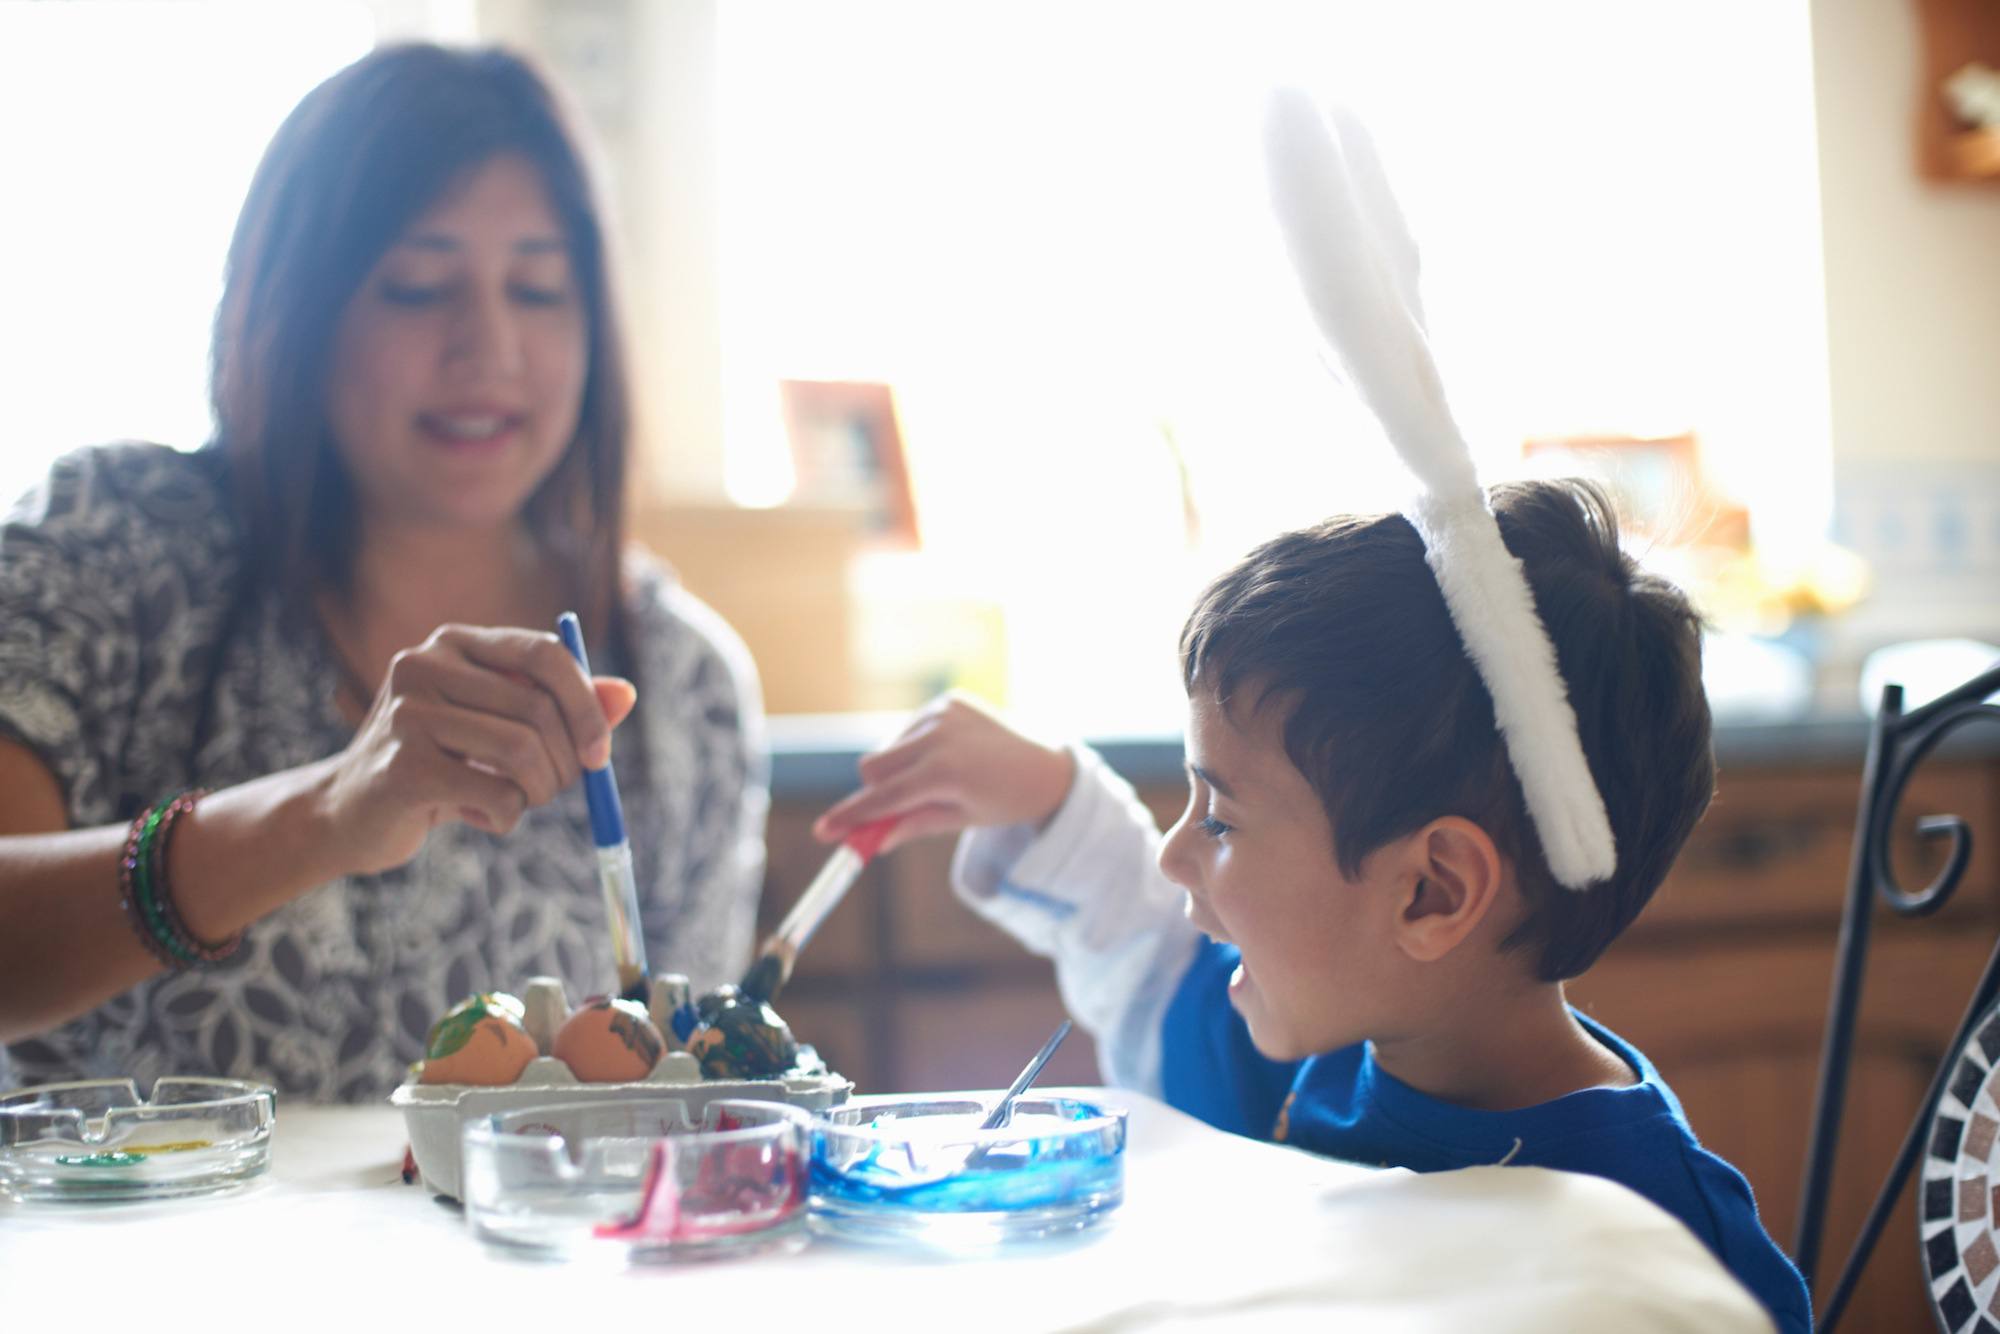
<point>1343,625</point>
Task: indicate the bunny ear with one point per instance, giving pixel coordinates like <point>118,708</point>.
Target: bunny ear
<point>1358,266</point>
<point>1394,243</point>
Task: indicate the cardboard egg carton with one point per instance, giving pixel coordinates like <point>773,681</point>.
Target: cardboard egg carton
<point>436,1114</point>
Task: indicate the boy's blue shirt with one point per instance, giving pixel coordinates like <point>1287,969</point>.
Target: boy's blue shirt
<point>1344,1105</point>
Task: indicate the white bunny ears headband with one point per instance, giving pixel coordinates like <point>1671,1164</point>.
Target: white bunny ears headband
<point>1357,265</point>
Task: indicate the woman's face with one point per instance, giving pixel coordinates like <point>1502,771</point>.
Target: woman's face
<point>459,363</point>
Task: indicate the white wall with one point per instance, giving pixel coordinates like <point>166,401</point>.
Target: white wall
<point>1912,267</point>
<point>1913,328</point>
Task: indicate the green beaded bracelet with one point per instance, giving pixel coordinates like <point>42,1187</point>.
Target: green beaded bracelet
<point>147,888</point>
<point>147,892</point>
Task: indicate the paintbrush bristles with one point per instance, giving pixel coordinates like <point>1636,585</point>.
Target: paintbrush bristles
<point>768,975</point>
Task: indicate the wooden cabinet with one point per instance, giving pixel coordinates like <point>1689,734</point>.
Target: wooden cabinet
<point>1723,982</point>
<point>778,577</point>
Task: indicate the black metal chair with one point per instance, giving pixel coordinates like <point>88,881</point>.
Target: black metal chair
<point>1897,744</point>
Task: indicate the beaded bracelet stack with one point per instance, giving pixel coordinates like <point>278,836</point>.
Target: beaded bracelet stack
<point>147,895</point>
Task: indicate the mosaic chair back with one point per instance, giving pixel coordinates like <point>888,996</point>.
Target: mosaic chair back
<point>1953,1132</point>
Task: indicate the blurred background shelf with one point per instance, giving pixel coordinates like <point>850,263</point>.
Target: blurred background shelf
<point>1974,154</point>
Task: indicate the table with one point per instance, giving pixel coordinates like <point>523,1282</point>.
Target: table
<point>1217,1233</point>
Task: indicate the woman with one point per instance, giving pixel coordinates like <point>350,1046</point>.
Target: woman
<point>336,618</point>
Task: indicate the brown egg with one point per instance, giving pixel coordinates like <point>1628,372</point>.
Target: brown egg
<point>609,1041</point>
<point>479,1041</point>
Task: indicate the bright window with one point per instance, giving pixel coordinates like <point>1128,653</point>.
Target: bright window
<point>132,132</point>
<point>1046,228</point>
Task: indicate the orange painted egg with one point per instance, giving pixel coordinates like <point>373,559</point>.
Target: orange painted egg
<point>479,1041</point>
<point>609,1041</point>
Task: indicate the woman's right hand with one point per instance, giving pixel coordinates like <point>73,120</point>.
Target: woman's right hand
<point>956,766</point>
<point>474,724</point>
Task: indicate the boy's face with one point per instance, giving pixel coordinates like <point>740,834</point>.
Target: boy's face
<point>1255,853</point>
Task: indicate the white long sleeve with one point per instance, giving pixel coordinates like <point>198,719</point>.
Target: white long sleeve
<point>1088,892</point>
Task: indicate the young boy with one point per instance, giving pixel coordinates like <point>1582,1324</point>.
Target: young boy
<point>1351,940</point>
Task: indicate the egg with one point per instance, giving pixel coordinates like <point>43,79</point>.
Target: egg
<point>609,1041</point>
<point>480,1040</point>
<point>481,1001</point>
<point>741,1038</point>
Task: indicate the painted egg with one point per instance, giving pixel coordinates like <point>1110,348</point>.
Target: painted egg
<point>482,1002</point>
<point>609,1041</point>
<point>480,1040</point>
<point>741,1038</point>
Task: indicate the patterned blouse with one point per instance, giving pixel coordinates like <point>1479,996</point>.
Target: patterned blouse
<point>116,576</point>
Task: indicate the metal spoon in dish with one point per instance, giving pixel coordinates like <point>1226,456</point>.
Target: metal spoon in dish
<point>1003,1111</point>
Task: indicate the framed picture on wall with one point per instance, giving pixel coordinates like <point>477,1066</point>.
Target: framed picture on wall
<point>1656,481</point>
<point>847,449</point>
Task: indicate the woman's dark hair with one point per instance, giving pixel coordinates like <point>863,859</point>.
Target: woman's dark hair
<point>362,156</point>
<point>1343,625</point>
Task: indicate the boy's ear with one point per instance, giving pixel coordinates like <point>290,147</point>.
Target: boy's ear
<point>1453,872</point>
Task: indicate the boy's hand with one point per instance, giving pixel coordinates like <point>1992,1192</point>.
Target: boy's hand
<point>956,766</point>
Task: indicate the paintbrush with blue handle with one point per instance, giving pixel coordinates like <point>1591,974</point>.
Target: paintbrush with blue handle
<point>614,853</point>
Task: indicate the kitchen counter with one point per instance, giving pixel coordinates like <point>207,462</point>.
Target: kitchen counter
<point>813,755</point>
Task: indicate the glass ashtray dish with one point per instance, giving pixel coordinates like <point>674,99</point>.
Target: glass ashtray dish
<point>919,1169</point>
<point>638,1180</point>
<point>98,1139</point>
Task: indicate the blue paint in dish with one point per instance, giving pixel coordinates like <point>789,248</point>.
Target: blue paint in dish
<point>920,1168</point>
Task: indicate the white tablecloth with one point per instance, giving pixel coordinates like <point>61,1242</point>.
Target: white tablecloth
<point>1217,1232</point>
